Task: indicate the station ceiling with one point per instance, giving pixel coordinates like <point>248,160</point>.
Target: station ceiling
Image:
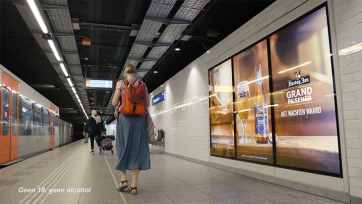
<point>111,24</point>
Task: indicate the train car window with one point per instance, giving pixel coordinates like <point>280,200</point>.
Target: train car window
<point>37,107</point>
<point>56,126</point>
<point>14,128</point>
<point>26,121</point>
<point>37,123</point>
<point>5,121</point>
<point>46,125</point>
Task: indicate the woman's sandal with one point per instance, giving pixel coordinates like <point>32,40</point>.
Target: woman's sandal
<point>119,188</point>
<point>130,189</point>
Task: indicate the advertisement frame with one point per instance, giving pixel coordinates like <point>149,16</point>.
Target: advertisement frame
<point>232,82</point>
<point>267,38</point>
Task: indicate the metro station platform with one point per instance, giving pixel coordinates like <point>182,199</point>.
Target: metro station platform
<point>170,180</point>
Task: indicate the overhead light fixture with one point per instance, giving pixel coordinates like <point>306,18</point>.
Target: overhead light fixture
<point>70,82</point>
<point>155,71</point>
<point>178,46</point>
<point>64,70</point>
<point>55,51</point>
<point>76,95</point>
<point>38,17</point>
<point>74,91</point>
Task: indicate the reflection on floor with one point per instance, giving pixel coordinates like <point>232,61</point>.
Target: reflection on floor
<point>171,180</point>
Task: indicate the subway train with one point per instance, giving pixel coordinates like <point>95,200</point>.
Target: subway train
<point>29,122</point>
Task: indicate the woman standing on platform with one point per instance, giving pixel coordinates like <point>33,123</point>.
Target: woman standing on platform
<point>94,126</point>
<point>132,137</point>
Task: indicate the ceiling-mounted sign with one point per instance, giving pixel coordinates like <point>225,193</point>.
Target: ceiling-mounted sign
<point>100,84</point>
<point>158,98</point>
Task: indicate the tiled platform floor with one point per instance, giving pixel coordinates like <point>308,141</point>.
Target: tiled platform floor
<point>171,180</point>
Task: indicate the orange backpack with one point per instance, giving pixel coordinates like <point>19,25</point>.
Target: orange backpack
<point>134,99</point>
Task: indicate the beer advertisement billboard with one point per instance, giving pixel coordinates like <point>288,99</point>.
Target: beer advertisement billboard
<point>295,109</point>
<point>252,104</point>
<point>221,110</point>
<point>303,95</point>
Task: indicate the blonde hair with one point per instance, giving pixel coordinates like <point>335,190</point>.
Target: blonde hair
<point>96,117</point>
<point>130,69</point>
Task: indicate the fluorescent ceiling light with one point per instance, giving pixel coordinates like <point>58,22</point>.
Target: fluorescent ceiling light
<point>70,81</point>
<point>76,95</point>
<point>295,67</point>
<point>64,70</point>
<point>55,51</point>
<point>39,18</point>
<point>177,49</point>
<point>74,91</point>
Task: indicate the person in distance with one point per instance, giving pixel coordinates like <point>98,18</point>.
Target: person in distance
<point>132,137</point>
<point>86,134</point>
<point>94,127</point>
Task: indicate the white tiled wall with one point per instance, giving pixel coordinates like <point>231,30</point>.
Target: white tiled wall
<point>184,114</point>
<point>348,22</point>
<point>112,128</point>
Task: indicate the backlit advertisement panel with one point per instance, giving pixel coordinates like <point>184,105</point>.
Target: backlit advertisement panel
<point>252,104</point>
<point>305,115</point>
<point>221,110</point>
<point>274,102</point>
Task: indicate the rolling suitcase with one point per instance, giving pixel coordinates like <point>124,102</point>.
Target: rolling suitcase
<point>106,145</point>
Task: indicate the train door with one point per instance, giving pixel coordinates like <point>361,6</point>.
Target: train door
<point>52,128</point>
<point>9,112</point>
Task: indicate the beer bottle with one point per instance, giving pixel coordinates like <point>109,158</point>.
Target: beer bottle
<point>260,109</point>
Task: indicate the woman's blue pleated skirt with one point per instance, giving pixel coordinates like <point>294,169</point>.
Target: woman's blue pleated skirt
<point>132,143</point>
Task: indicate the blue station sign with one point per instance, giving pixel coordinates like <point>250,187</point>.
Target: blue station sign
<point>158,98</point>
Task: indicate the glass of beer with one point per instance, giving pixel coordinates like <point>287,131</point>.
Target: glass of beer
<point>243,108</point>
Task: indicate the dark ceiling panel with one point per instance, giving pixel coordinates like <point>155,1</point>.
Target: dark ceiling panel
<point>226,15</point>
<point>21,54</point>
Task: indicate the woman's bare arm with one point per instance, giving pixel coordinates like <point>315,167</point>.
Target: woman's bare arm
<point>116,97</point>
